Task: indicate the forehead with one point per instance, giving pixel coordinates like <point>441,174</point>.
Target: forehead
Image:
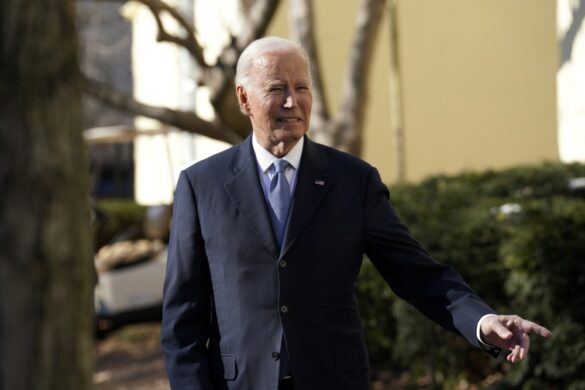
<point>282,64</point>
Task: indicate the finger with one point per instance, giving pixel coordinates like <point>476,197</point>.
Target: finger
<point>519,347</point>
<point>513,356</point>
<point>520,353</point>
<point>518,356</point>
<point>534,328</point>
<point>501,329</point>
<point>525,346</point>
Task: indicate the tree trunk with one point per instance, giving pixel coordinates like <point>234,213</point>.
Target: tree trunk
<point>396,113</point>
<point>344,130</point>
<point>46,268</point>
<point>302,29</point>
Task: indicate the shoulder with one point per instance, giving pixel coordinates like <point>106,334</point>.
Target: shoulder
<point>349,172</point>
<point>339,161</point>
<point>216,166</point>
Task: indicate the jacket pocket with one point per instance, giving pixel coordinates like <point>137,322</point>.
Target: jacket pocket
<point>353,359</point>
<point>227,369</point>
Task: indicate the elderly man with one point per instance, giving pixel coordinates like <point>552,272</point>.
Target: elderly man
<point>267,241</point>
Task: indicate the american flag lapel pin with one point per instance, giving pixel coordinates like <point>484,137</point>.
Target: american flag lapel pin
<point>320,182</point>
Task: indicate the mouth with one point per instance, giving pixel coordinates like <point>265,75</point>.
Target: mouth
<point>289,120</point>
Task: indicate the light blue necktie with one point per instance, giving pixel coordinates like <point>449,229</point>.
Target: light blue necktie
<point>279,197</point>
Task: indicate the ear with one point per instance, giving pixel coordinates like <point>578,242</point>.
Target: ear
<point>243,100</point>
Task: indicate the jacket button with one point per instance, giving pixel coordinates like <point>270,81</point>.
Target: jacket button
<point>282,263</point>
<point>275,355</point>
<point>284,309</point>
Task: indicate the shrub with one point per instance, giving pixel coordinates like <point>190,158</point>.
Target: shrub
<point>527,257</point>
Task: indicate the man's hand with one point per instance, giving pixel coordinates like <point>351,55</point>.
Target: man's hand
<point>511,332</point>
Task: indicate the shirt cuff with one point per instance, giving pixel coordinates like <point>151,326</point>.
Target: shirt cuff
<point>494,351</point>
<point>478,330</point>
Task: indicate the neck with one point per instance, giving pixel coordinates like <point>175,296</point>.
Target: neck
<point>278,148</point>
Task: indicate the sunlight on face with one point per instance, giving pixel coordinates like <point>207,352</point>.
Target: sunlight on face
<point>278,99</point>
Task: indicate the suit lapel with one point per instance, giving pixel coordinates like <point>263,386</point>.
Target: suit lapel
<point>312,185</point>
<point>245,190</point>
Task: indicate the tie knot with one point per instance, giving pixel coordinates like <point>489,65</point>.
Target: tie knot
<point>280,165</point>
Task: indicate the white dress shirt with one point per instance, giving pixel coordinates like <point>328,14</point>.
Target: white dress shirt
<point>265,159</point>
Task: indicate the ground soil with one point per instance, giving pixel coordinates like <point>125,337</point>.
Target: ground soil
<point>130,359</point>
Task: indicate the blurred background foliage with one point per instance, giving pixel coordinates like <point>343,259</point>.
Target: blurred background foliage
<point>117,220</point>
<point>518,238</point>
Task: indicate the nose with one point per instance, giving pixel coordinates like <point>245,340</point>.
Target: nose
<point>290,99</point>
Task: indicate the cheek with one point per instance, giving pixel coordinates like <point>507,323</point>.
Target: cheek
<point>306,105</point>
<point>259,110</point>
<point>271,109</point>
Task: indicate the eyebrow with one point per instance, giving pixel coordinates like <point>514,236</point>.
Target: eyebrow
<point>275,82</point>
<point>282,82</point>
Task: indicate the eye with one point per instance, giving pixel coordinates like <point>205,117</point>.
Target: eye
<point>276,88</point>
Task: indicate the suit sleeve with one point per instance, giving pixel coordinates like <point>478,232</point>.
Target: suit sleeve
<point>186,297</point>
<point>436,290</point>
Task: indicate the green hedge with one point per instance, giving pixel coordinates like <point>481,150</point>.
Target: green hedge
<point>529,261</point>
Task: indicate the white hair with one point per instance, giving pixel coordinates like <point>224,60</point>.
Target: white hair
<point>262,46</point>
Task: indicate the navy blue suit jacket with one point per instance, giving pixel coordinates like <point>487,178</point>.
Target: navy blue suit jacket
<point>230,294</point>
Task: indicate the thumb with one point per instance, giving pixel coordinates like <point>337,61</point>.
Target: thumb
<point>501,330</point>
<point>497,327</point>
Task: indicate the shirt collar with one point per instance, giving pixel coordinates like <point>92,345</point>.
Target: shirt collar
<point>265,158</point>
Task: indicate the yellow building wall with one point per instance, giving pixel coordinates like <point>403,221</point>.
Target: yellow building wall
<point>479,84</point>
<point>478,81</point>
<point>334,27</point>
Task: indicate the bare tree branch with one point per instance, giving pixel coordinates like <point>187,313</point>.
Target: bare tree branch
<point>342,131</point>
<point>301,24</point>
<point>120,134</point>
<point>184,120</point>
<point>221,84</point>
<point>346,133</point>
<point>189,41</point>
<point>258,19</point>
<point>230,125</point>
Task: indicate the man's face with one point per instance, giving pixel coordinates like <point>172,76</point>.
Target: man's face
<point>278,99</point>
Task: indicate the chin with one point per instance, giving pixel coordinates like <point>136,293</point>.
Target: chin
<point>294,133</point>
